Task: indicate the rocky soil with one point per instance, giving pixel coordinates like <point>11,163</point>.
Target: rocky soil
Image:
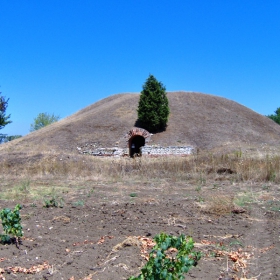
<point>102,232</point>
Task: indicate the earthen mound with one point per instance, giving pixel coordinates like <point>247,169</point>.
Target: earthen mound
<point>201,120</point>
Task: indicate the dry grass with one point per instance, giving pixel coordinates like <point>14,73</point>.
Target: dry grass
<point>233,167</point>
<point>219,204</point>
<point>26,190</point>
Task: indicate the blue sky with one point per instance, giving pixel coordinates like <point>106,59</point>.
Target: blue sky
<point>61,56</point>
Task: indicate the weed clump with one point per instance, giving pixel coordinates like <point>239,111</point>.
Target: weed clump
<point>220,204</point>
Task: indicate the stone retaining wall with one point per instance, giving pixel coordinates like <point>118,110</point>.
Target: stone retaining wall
<point>172,150</point>
<point>146,151</point>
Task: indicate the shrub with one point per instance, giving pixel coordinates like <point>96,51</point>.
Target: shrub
<point>163,265</point>
<point>11,222</point>
<point>54,201</point>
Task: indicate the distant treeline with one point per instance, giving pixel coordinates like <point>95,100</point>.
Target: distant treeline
<point>6,138</point>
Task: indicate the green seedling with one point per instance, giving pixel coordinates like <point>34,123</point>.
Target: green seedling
<point>133,195</point>
<point>236,243</point>
<point>11,222</point>
<point>91,191</point>
<point>78,203</point>
<point>53,202</point>
<point>163,265</point>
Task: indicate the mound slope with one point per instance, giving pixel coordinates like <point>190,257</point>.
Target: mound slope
<point>201,120</point>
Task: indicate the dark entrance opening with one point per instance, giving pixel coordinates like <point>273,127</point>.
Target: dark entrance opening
<point>135,143</point>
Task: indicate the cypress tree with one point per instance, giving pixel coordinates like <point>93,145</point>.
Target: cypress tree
<point>153,109</point>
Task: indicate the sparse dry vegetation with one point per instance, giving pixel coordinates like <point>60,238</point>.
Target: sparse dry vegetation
<point>219,204</point>
<point>198,167</point>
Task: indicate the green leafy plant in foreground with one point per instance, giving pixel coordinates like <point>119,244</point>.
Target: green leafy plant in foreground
<point>163,265</point>
<point>11,222</point>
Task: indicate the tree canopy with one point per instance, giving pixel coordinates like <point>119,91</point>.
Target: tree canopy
<point>4,119</point>
<point>275,117</point>
<point>153,108</point>
<point>42,120</point>
<point>7,138</point>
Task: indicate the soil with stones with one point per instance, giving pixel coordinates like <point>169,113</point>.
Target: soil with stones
<point>98,237</point>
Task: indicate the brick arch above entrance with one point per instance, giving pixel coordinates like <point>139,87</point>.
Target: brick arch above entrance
<point>137,138</point>
<point>137,131</point>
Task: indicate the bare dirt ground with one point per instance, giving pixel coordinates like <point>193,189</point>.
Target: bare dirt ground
<point>101,231</point>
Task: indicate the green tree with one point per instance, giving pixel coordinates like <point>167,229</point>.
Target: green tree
<point>4,119</point>
<point>13,137</point>
<point>43,119</point>
<point>275,117</point>
<point>7,138</point>
<point>153,109</point>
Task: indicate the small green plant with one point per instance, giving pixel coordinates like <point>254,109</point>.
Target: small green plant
<point>78,203</point>
<point>54,201</point>
<point>133,195</point>
<point>238,153</point>
<point>222,247</point>
<point>91,191</point>
<point>11,222</point>
<point>274,205</point>
<point>215,186</point>
<point>199,199</point>
<point>265,187</point>
<point>244,199</point>
<point>163,265</point>
<point>236,243</point>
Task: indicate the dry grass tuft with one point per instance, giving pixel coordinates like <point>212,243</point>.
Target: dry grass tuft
<point>219,204</point>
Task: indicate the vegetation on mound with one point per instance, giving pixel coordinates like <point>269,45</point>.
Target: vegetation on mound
<point>42,120</point>
<point>153,109</point>
<point>275,117</point>
<point>199,120</point>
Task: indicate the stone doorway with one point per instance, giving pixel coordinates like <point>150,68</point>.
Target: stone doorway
<point>135,143</point>
<point>136,138</point>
